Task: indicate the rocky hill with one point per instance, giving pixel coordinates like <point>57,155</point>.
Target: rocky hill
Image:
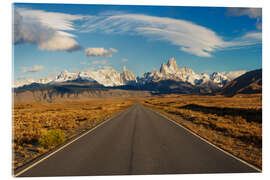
<point>248,83</point>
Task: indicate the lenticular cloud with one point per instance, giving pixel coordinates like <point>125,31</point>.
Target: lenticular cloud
<point>190,37</point>
<point>45,29</point>
<point>51,31</point>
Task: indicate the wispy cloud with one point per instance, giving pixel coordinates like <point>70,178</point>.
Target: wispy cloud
<point>97,52</point>
<point>251,12</point>
<point>32,69</point>
<point>248,39</point>
<point>190,37</point>
<point>255,13</point>
<point>45,29</point>
<point>53,31</point>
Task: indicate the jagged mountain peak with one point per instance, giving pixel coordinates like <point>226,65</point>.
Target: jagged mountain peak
<point>127,77</point>
<point>169,68</point>
<point>171,61</point>
<point>65,76</point>
<point>170,71</point>
<point>163,68</point>
<point>108,76</point>
<point>124,69</point>
<point>172,64</point>
<point>186,70</point>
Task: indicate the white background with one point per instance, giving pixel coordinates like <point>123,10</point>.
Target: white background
<point>6,77</point>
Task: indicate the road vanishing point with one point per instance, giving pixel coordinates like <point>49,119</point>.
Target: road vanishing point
<point>137,141</point>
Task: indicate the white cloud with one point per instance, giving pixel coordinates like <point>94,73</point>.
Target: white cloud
<point>32,69</point>
<point>99,61</point>
<point>48,31</point>
<point>113,50</point>
<point>190,37</point>
<point>59,43</point>
<point>45,29</point>
<point>124,60</point>
<point>248,39</point>
<point>97,52</point>
<point>250,12</point>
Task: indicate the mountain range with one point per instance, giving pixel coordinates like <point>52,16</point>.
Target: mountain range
<point>107,82</point>
<point>108,77</point>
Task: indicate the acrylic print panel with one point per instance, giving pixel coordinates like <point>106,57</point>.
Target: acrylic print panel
<point>131,90</point>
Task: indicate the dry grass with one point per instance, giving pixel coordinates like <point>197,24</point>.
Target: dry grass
<point>232,123</point>
<point>221,120</point>
<point>31,121</point>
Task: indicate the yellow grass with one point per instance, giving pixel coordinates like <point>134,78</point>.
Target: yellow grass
<point>221,120</point>
<point>218,119</point>
<point>31,121</point>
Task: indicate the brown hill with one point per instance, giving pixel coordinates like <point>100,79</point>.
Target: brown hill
<point>248,83</point>
<point>48,95</point>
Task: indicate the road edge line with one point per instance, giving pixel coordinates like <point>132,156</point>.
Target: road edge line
<point>215,146</point>
<point>67,144</point>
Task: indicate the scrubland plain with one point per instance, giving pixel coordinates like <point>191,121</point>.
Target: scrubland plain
<point>39,127</point>
<point>232,123</point>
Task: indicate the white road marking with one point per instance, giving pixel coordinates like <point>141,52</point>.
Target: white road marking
<point>49,155</point>
<point>246,163</point>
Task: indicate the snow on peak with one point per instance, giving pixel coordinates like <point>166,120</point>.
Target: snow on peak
<point>65,76</point>
<point>30,81</point>
<point>110,77</point>
<point>235,74</point>
<point>127,77</point>
<point>124,69</point>
<point>172,65</point>
<point>106,76</point>
<point>170,71</point>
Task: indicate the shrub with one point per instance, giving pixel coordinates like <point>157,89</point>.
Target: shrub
<point>52,138</point>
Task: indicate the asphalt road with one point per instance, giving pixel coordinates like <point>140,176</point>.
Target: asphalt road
<point>137,141</point>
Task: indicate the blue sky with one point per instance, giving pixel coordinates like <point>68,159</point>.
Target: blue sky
<point>50,38</point>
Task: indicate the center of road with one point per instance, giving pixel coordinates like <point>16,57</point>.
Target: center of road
<point>136,141</point>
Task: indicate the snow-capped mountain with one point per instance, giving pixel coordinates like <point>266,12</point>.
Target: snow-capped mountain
<point>65,76</point>
<point>109,77</point>
<point>127,77</point>
<point>30,81</point>
<point>106,76</point>
<point>170,71</point>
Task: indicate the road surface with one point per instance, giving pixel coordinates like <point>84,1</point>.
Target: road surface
<point>137,141</point>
